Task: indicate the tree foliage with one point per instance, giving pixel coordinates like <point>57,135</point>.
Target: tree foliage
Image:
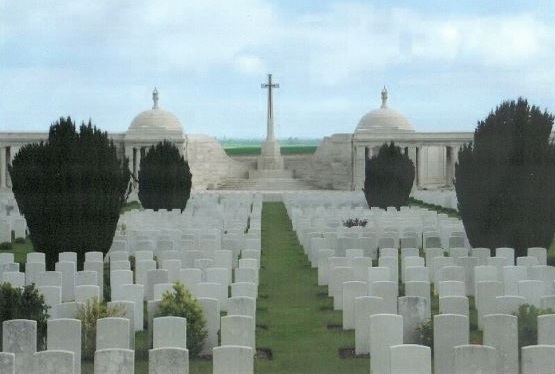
<point>505,180</point>
<point>389,178</point>
<point>164,178</point>
<point>70,189</point>
<point>89,313</point>
<point>180,303</point>
<point>24,303</point>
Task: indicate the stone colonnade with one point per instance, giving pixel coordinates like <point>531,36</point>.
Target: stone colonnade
<point>136,151</point>
<point>434,162</point>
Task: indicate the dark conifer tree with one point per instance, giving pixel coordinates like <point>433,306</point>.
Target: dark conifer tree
<point>389,178</point>
<point>505,179</point>
<point>164,178</point>
<point>70,190</point>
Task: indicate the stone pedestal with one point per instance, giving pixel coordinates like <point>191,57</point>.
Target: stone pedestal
<point>270,156</point>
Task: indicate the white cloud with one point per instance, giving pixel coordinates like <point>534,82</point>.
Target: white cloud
<point>331,51</point>
<point>250,65</point>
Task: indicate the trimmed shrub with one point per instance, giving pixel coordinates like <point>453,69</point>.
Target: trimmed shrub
<point>355,222</point>
<point>505,180</point>
<point>180,303</point>
<point>70,190</point>
<point>26,303</point>
<point>389,178</point>
<point>6,246</point>
<point>89,313</point>
<point>164,178</point>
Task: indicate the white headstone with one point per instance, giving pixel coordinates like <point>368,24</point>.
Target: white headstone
<point>118,279</point>
<point>168,361</point>
<point>546,329</point>
<point>233,359</point>
<point>486,302</point>
<point>351,290</point>
<point>410,358</point>
<point>392,263</point>
<point>475,359</point>
<point>507,253</point>
<point>414,311</point>
<point>68,270</point>
<point>54,362</point>
<point>7,363</point>
<point>511,276</point>
<point>539,253</point>
<point>538,359</point>
<point>532,291</point>
<point>85,293</point>
<point>114,361</point>
<point>386,330</point>
<point>454,305</point>
<point>170,332</point>
<point>154,277</point>
<point>211,312</point>
<point>450,330</point>
<point>86,278</point>
<point>141,269</point>
<point>501,333</point>
<point>19,336</point>
<point>365,306</point>
<point>33,270</point>
<point>65,334</point>
<point>112,333</point>
<point>238,330</point>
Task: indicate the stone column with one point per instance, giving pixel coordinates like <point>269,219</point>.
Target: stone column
<point>359,167</point>
<point>3,167</point>
<point>418,158</point>
<point>449,166</point>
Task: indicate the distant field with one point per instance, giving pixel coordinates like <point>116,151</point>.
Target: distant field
<point>285,150</point>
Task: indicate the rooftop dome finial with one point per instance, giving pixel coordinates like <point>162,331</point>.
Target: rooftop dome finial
<point>384,97</point>
<point>155,98</point>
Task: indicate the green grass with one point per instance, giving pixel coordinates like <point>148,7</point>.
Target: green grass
<point>296,310</point>
<point>131,205</point>
<point>243,151</point>
<point>285,150</point>
<point>20,249</point>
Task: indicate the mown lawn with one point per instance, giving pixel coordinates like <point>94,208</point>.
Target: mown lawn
<point>285,150</point>
<point>293,311</point>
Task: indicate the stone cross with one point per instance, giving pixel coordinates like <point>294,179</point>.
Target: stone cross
<point>270,119</point>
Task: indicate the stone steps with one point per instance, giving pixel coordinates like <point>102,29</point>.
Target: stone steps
<point>265,184</point>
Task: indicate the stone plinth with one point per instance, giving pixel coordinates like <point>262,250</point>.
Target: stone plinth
<point>270,156</point>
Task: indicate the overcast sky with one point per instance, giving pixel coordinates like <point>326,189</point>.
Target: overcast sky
<point>446,64</point>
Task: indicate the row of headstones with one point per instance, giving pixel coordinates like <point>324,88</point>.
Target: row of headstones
<point>188,243</point>
<point>113,354</point>
<point>130,296</point>
<point>451,351</point>
<point>353,277</point>
<point>449,280</point>
<point>369,241</point>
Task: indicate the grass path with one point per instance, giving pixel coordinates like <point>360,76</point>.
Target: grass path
<point>293,311</point>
